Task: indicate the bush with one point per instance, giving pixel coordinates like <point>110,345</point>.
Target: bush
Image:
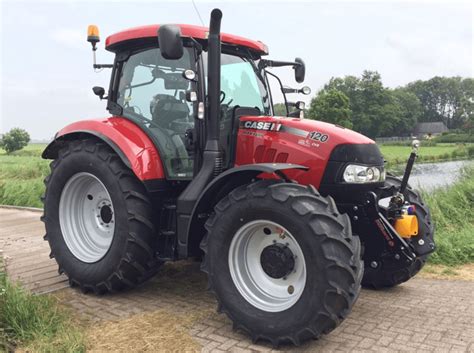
<point>14,140</point>
<point>454,138</point>
<point>470,151</point>
<point>453,214</point>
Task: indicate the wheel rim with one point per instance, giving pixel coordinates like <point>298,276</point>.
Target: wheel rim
<point>267,287</point>
<point>86,217</point>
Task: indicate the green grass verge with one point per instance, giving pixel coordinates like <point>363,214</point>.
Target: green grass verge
<point>452,210</point>
<point>21,176</point>
<point>35,323</point>
<point>397,154</point>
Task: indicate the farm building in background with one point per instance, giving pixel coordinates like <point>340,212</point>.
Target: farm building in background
<point>430,129</point>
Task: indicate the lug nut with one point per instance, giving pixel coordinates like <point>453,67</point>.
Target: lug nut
<point>397,257</point>
<point>355,218</point>
<point>374,264</point>
<point>355,208</point>
<point>291,289</point>
<point>421,242</point>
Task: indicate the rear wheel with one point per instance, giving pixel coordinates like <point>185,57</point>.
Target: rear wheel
<point>98,219</point>
<point>380,277</point>
<point>281,261</point>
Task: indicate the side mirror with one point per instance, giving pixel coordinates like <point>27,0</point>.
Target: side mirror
<point>299,70</point>
<point>99,91</point>
<point>170,42</point>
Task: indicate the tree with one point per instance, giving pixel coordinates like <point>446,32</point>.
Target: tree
<point>279,109</point>
<point>14,140</point>
<point>410,111</point>
<point>331,106</point>
<point>374,109</point>
<point>446,99</point>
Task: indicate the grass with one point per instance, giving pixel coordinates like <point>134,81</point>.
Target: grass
<point>452,209</point>
<point>35,323</point>
<point>461,272</point>
<point>398,154</point>
<point>21,176</point>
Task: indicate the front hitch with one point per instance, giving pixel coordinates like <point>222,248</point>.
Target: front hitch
<point>397,247</point>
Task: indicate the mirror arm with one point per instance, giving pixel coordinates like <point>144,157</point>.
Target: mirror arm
<point>281,88</point>
<point>103,66</point>
<point>273,63</point>
<point>291,90</point>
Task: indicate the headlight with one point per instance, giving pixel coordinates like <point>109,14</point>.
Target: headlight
<point>360,174</point>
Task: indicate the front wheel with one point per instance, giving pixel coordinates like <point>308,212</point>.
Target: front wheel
<point>282,261</point>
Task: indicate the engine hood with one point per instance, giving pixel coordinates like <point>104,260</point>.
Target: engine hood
<point>312,143</point>
<point>310,129</point>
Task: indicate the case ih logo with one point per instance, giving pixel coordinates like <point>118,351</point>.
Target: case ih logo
<point>260,125</point>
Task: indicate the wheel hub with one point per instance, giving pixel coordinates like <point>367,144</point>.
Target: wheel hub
<point>86,217</point>
<point>277,260</point>
<point>267,265</point>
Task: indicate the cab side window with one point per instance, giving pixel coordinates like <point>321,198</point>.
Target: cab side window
<point>152,92</point>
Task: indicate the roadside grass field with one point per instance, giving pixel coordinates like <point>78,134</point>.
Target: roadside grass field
<point>452,209</point>
<point>394,154</point>
<point>35,323</point>
<point>21,176</point>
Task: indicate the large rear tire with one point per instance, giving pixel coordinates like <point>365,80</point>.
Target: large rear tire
<point>98,219</point>
<point>383,278</point>
<point>281,261</point>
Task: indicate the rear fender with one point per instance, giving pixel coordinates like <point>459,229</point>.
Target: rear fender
<point>126,138</point>
<point>221,186</point>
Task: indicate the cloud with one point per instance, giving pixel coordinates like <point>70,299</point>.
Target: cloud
<point>450,56</point>
<point>69,37</point>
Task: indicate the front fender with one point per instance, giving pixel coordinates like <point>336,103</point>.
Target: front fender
<point>216,190</point>
<point>126,138</point>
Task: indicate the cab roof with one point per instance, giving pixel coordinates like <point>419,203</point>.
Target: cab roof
<point>113,41</point>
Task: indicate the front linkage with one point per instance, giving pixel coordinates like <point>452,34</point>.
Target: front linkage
<point>394,248</point>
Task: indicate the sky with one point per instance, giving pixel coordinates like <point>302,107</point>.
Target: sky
<point>46,64</point>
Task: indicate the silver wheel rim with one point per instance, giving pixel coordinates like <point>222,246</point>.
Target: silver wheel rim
<point>253,283</point>
<point>86,217</point>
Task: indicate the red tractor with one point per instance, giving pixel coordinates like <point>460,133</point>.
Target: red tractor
<point>284,212</point>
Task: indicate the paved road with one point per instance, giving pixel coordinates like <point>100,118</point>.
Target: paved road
<point>421,315</point>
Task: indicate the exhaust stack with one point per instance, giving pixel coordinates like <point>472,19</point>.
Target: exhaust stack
<point>212,154</point>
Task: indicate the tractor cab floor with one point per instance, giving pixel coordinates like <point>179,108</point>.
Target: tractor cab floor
<point>174,311</point>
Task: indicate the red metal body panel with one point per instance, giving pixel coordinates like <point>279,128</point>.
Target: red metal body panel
<point>292,144</point>
<point>133,142</point>
<point>186,31</point>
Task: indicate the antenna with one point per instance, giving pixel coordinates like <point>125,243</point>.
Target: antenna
<point>197,11</point>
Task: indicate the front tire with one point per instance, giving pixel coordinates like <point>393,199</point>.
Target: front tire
<point>98,219</point>
<point>281,261</point>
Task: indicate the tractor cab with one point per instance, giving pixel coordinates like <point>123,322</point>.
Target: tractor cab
<point>166,96</point>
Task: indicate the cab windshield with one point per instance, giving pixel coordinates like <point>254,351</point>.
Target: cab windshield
<point>242,85</point>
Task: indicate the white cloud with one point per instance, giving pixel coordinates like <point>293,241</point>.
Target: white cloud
<point>71,38</point>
